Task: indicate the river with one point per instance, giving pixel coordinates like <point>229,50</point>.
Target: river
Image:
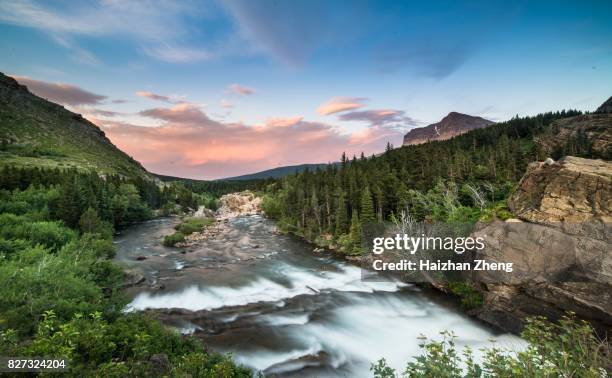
<point>280,308</point>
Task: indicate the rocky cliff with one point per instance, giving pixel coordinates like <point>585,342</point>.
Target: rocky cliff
<point>588,134</point>
<point>450,126</point>
<point>560,246</point>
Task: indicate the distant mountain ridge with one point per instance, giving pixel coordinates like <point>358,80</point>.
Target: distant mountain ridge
<point>276,172</point>
<point>450,126</point>
<point>37,132</point>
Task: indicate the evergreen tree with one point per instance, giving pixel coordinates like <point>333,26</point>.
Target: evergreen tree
<point>367,207</point>
<point>90,221</point>
<point>355,233</point>
<point>341,215</point>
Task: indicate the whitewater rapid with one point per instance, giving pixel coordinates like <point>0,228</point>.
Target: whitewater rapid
<point>281,309</point>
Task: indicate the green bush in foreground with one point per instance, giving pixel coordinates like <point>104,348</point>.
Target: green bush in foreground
<point>566,349</point>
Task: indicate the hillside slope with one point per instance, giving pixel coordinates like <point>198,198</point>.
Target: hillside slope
<point>276,172</point>
<point>36,132</point>
<point>450,126</point>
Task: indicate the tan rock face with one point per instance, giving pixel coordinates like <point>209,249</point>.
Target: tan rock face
<point>571,190</point>
<point>560,248</point>
<point>567,132</point>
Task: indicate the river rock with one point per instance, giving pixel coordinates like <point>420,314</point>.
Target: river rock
<point>132,278</point>
<point>560,247</point>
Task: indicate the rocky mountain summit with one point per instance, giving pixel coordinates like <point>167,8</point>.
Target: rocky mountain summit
<point>559,245</point>
<point>450,126</point>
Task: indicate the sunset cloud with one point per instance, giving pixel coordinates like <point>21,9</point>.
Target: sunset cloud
<point>190,144</point>
<point>153,96</point>
<point>341,104</point>
<point>283,122</point>
<point>61,93</point>
<point>180,113</point>
<point>241,89</point>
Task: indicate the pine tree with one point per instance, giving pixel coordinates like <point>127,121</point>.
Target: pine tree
<point>341,216</point>
<point>367,207</point>
<point>355,233</point>
<point>90,221</point>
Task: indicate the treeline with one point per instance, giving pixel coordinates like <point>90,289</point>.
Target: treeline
<point>115,199</point>
<point>460,179</point>
<point>62,293</point>
<point>217,188</point>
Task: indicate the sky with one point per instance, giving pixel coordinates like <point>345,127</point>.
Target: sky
<point>212,89</point>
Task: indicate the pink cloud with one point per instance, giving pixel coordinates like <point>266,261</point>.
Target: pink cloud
<point>153,96</point>
<point>283,122</point>
<point>341,104</point>
<point>241,89</point>
<point>181,113</point>
<point>61,93</point>
<point>190,144</point>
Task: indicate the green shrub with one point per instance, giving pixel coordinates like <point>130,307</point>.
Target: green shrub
<point>565,349</point>
<point>174,239</point>
<point>469,297</point>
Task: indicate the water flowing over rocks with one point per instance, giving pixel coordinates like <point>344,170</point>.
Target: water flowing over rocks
<point>560,247</point>
<point>280,308</point>
<point>237,204</point>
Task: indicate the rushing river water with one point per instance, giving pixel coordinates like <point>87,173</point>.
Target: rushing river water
<point>282,309</point>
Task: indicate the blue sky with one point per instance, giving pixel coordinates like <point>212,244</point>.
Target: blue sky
<point>216,88</point>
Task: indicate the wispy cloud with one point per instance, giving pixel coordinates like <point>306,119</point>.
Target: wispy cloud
<point>159,25</point>
<point>284,122</point>
<point>241,90</point>
<point>382,117</point>
<point>181,113</point>
<point>154,96</point>
<point>65,94</point>
<point>341,104</point>
<point>178,54</point>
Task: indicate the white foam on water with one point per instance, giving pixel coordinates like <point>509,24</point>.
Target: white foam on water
<point>374,327</point>
<point>303,282</point>
<point>283,320</point>
<point>262,360</point>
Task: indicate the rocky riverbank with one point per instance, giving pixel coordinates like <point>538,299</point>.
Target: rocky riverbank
<point>559,245</point>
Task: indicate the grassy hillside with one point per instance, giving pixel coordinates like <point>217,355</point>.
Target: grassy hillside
<point>36,132</point>
<point>277,172</point>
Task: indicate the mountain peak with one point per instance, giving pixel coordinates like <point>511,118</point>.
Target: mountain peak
<point>453,124</point>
